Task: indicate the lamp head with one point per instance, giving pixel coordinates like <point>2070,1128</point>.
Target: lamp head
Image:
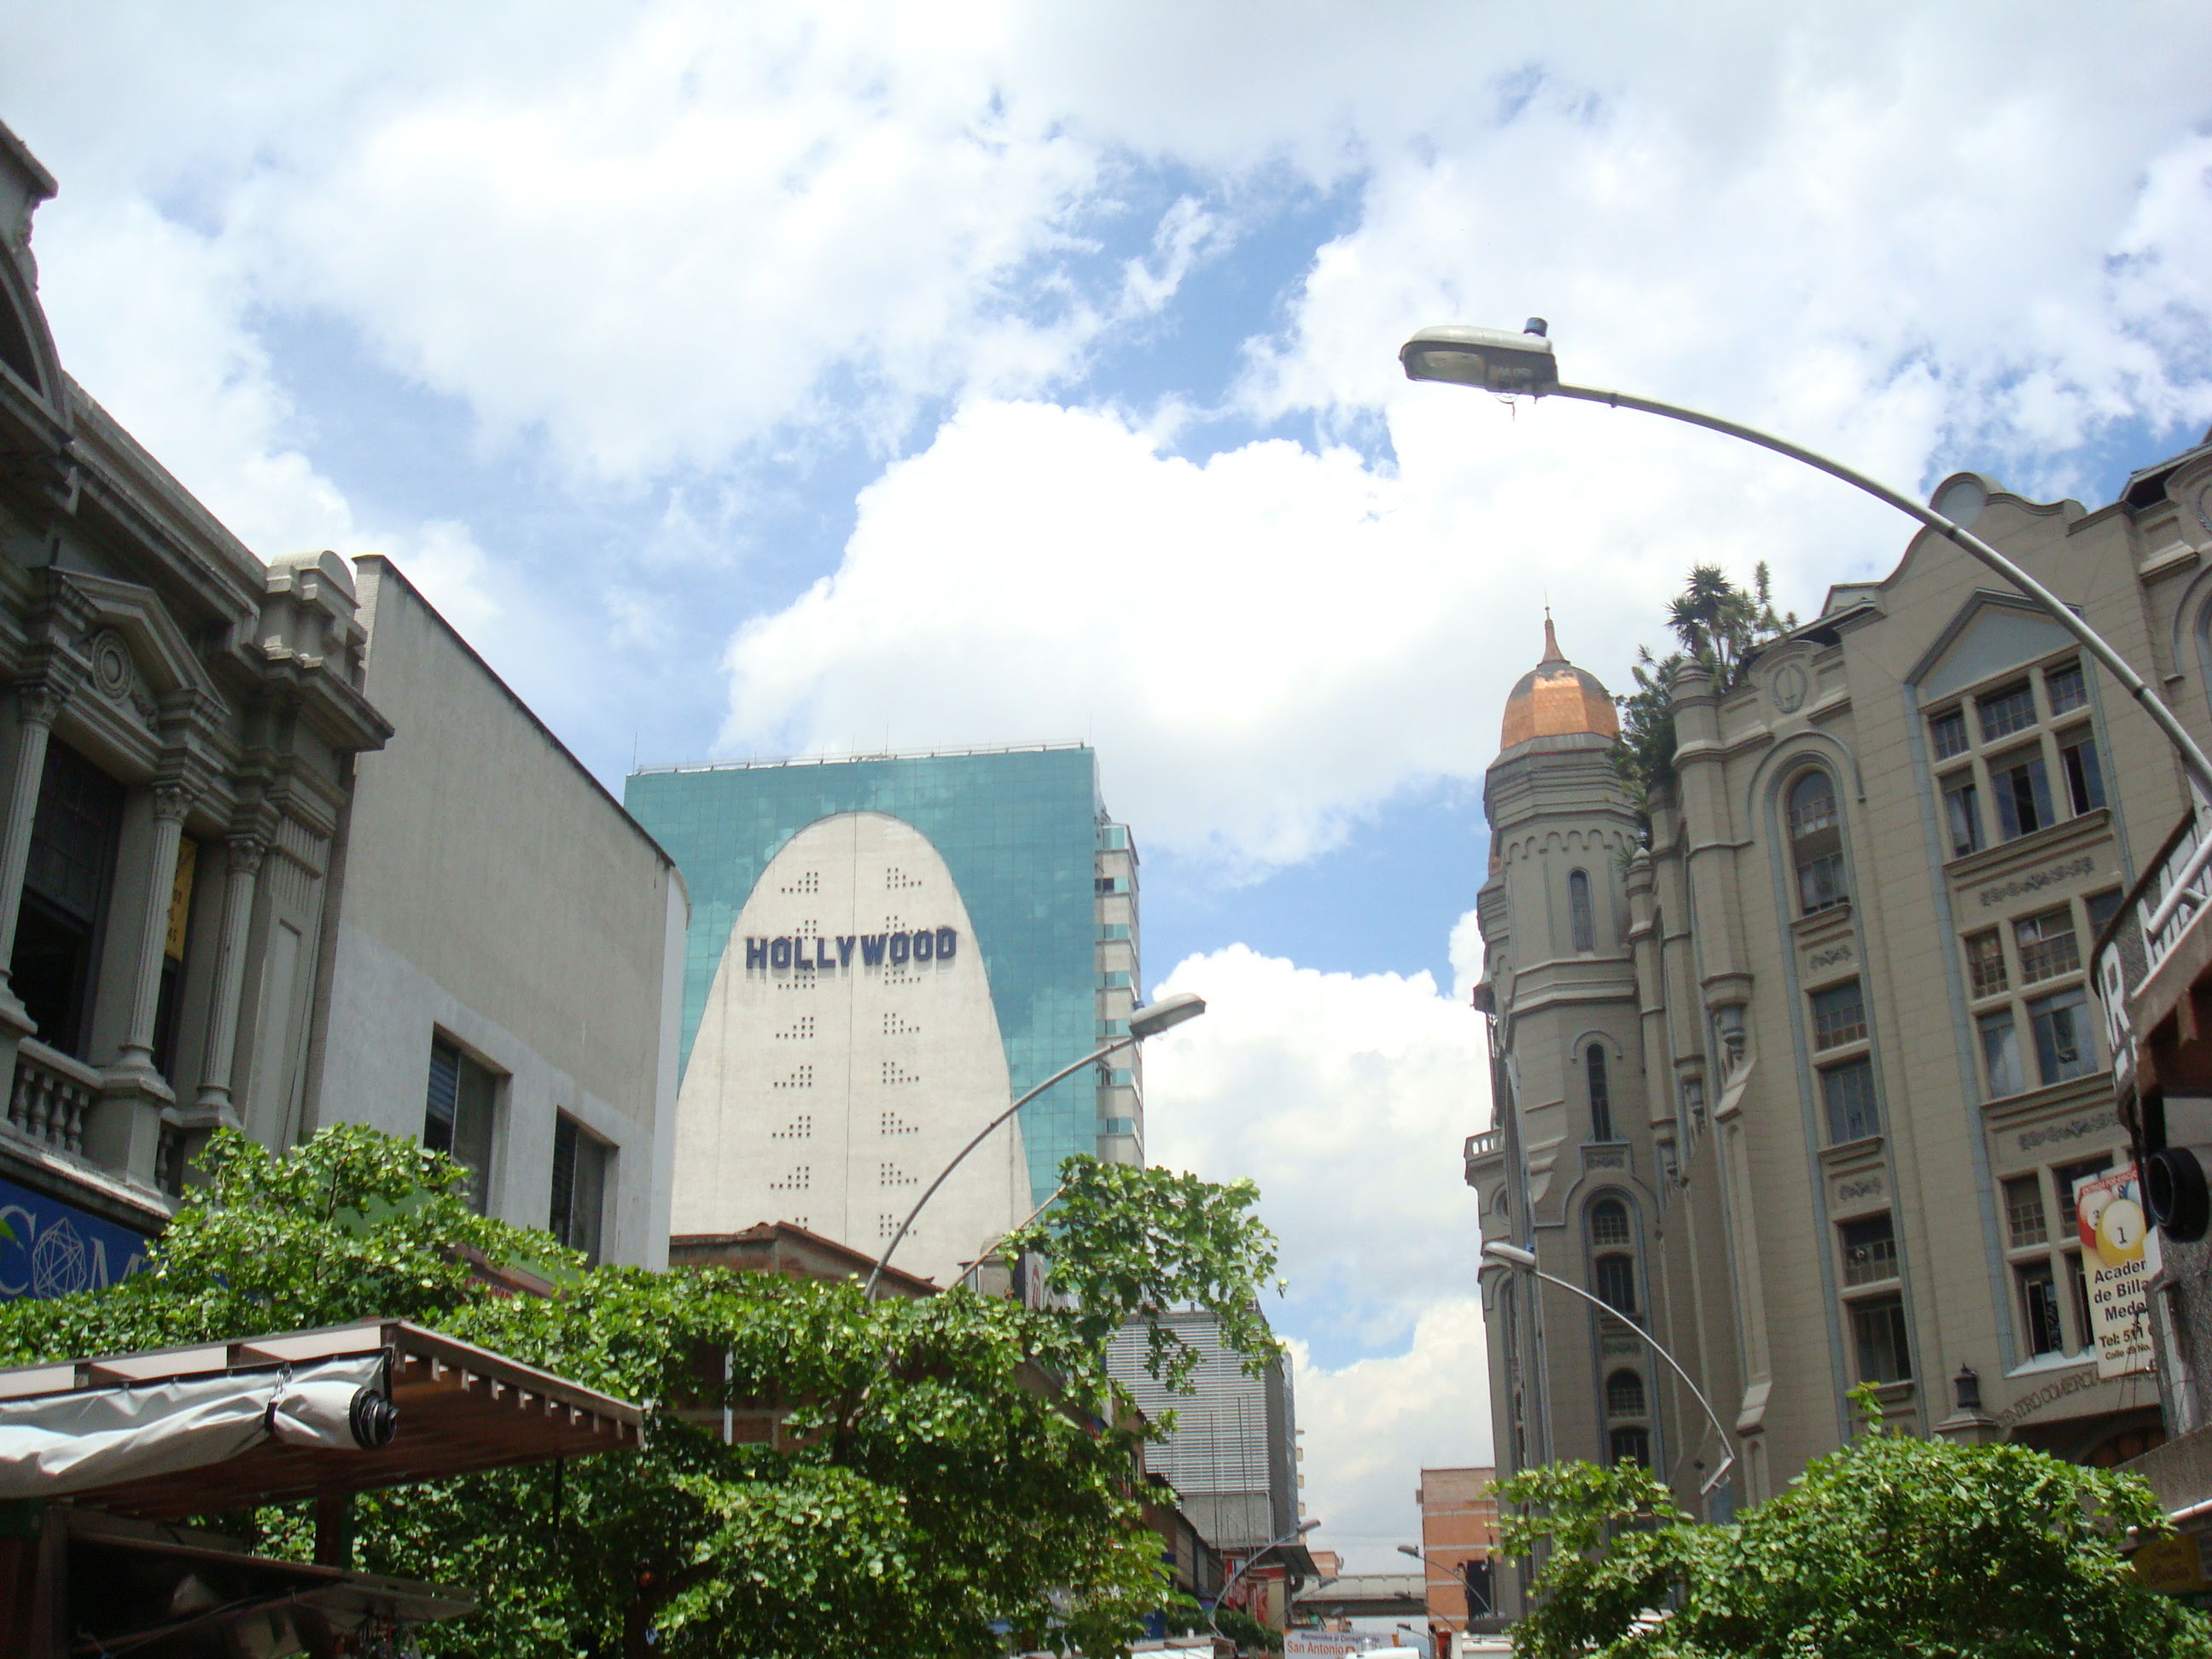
<point>1409,1549</point>
<point>1168,1012</point>
<point>1490,358</point>
<point>1511,1255</point>
<point>1305,1526</point>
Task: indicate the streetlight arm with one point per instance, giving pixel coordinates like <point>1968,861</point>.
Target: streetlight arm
<point>1727,1460</point>
<point>981,1135</point>
<point>1253,1561</point>
<point>2193,758</point>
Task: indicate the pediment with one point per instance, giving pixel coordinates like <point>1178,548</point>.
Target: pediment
<point>1991,633</point>
<point>122,614</point>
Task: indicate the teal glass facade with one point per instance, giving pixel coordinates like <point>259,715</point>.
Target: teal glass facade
<point>1018,828</point>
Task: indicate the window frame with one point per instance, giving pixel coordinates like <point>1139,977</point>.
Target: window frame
<point>1829,1032</point>
<point>485,1088</point>
<point>1868,1123</point>
<point>1582,914</point>
<point>1821,874</point>
<point>1597,1090</point>
<point>2054,1257</point>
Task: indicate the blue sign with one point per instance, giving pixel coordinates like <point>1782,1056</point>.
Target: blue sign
<point>58,1250</point>
<point>828,955</point>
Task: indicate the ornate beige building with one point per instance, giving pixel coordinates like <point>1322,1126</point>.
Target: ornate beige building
<point>278,850</point>
<point>1802,1089</point>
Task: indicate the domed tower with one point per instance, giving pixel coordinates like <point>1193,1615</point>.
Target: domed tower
<point>1566,1171</point>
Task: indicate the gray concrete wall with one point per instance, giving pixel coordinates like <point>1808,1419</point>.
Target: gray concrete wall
<point>494,893</point>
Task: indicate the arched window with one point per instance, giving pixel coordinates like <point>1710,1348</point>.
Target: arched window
<point>1632,1446</point>
<point>1600,1092</point>
<point>1608,1222</point>
<point>1623,1394</point>
<point>1579,923</point>
<point>1816,843</point>
<point>1616,1283</point>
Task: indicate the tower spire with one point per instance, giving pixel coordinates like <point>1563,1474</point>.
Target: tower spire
<point>1551,651</point>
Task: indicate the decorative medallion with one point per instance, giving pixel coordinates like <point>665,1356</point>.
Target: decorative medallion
<point>1789,688</point>
<point>111,665</point>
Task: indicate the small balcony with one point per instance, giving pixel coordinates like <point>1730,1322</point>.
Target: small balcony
<point>52,1098</point>
<point>1486,1148</point>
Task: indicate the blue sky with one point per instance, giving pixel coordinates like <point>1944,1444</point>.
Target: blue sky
<point>800,377</point>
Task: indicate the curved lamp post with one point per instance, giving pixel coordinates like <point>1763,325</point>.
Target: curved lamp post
<point>1512,1256</point>
<point>1494,359</point>
<point>1146,1022</point>
<point>1248,1562</point>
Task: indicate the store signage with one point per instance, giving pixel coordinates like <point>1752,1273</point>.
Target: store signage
<point>1323,1643</point>
<point>58,1250</point>
<point>797,953</point>
<point>2120,1254</point>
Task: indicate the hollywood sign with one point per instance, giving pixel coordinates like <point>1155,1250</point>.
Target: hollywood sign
<point>793,953</point>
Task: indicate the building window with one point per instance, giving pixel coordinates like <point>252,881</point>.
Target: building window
<point>2046,944</point>
<point>2102,908</point>
<point>579,1186</point>
<point>2039,1303</point>
<point>1962,814</point>
<point>2063,1046</point>
<point>2000,1053</point>
<point>1870,1250</point>
<point>1986,963</point>
<point>1600,1092</point>
<point>1848,1090</point>
<point>2066,687</point>
<point>1631,1445</point>
<point>1816,843</point>
<point>1623,1394</point>
<point>1839,1016</point>
<point>2066,1177</point>
<point>2077,764</point>
<point>1579,922</point>
<point>2008,709</point>
<point>1616,1283</point>
<point>2023,791</point>
<point>2024,1223</point>
<point>1947,732</point>
<point>74,833</point>
<point>457,1118</point>
<point>1608,1222</point>
<point>1878,1335</point>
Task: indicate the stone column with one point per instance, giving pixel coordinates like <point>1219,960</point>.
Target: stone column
<point>125,1133</point>
<point>39,702</point>
<point>246,850</point>
<point>171,802</point>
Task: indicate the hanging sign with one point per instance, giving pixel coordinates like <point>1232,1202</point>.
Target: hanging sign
<point>2119,1256</point>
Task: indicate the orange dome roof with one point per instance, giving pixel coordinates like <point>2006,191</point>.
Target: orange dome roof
<point>1555,699</point>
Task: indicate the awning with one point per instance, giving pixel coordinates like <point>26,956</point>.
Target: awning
<point>276,1412</point>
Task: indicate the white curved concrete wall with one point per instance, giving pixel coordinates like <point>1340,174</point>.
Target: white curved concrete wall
<point>828,1089</point>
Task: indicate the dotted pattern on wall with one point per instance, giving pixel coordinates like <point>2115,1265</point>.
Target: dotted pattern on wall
<point>897,880</point>
<point>797,1179</point>
<point>886,1225</point>
<point>896,1125</point>
<point>801,1078</point>
<point>798,982</point>
<point>895,1074</point>
<point>799,1129</point>
<point>809,928</point>
<point>900,1025</point>
<point>810,882</point>
<point>801,1029</point>
<point>892,1177</point>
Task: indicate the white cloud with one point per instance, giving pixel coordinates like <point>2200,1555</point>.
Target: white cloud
<point>1373,1425</point>
<point>1347,1099</point>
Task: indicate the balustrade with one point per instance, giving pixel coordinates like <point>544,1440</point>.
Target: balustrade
<point>51,1095</point>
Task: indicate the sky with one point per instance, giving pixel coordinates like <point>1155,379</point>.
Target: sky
<point>800,377</point>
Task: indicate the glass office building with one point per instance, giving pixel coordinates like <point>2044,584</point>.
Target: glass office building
<point>1013,847</point>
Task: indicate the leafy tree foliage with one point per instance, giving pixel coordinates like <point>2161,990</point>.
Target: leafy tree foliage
<point>1718,628</point>
<point>1893,1544</point>
<point>943,1465</point>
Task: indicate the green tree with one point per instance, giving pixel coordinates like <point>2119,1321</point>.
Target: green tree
<point>1893,1544</point>
<point>1718,628</point>
<point>948,1464</point>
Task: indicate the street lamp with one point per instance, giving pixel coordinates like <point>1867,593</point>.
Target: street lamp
<point>1146,1022</point>
<point>1251,1561</point>
<point>1523,364</point>
<point>1512,1256</point>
